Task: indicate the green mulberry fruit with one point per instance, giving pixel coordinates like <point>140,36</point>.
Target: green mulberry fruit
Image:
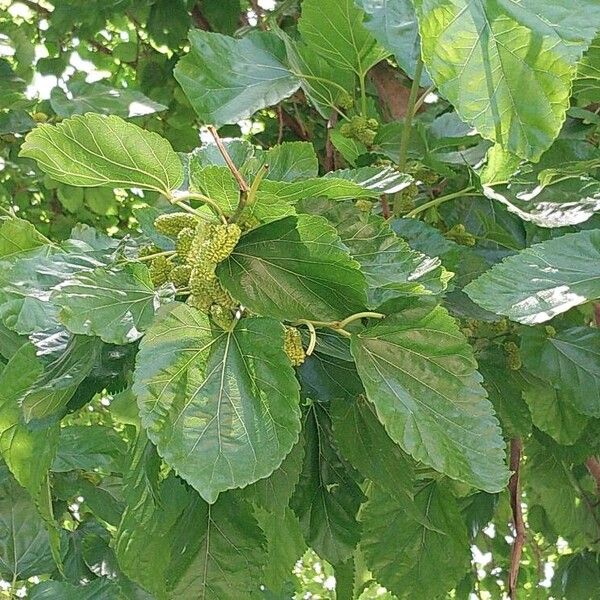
<point>184,241</point>
<point>222,316</point>
<point>222,242</point>
<point>460,235</point>
<point>160,268</point>
<point>207,290</point>
<point>361,129</point>
<point>364,205</point>
<point>198,251</point>
<point>180,275</point>
<point>293,346</point>
<point>513,356</point>
<point>172,223</point>
<point>405,201</point>
<point>345,101</point>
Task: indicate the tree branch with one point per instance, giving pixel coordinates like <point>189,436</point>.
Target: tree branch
<point>199,19</point>
<point>516,449</point>
<point>593,466</point>
<point>329,147</point>
<point>244,187</point>
<point>293,124</point>
<point>41,10</point>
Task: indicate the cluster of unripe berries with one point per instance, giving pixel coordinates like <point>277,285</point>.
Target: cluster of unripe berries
<point>362,129</point>
<point>199,247</point>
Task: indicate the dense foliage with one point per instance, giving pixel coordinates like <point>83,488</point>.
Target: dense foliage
<point>299,299</point>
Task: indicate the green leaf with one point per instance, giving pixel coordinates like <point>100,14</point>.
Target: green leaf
<point>552,484</point>
<point>325,84</point>
<point>103,99</point>
<point>295,268</point>
<point>18,235</point>
<point>289,161</point>
<point>89,448</point>
<point>273,493</point>
<point>240,151</point>
<point>485,75</point>
<point>116,305</point>
<point>402,553</point>
<point>227,79</point>
<point>16,121</point>
<point>24,544</point>
<point>542,281</point>
<point>586,87</point>
<point>26,281</point>
<point>362,440</point>
<point>327,497</point>
<point>392,269</point>
<point>104,151</point>
<point>394,25</point>
<point>325,378</point>
<point>551,411</point>
<point>27,450</point>
<point>570,360</point>
<point>285,545</point>
<point>560,190</point>
<point>65,360</point>
<point>215,182</point>
<point>505,393</point>
<point>145,538</point>
<point>333,29</point>
<point>419,372</point>
<point>231,552</point>
<point>230,398</point>
<point>99,589</point>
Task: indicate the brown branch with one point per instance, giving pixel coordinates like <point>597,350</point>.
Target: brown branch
<point>41,10</point>
<point>385,207</point>
<point>244,187</point>
<point>292,123</point>
<point>593,466</point>
<point>597,314</point>
<point>516,449</point>
<point>199,19</point>
<point>329,147</point>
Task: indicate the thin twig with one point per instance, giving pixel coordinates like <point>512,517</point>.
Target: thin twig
<point>410,111</point>
<point>329,147</point>
<point>199,19</point>
<point>516,449</point>
<point>593,466</point>
<point>385,207</point>
<point>244,187</point>
<point>279,124</point>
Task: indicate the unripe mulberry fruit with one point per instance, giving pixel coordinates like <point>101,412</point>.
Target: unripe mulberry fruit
<point>222,316</point>
<point>222,242</point>
<point>184,241</point>
<point>364,205</point>
<point>345,101</point>
<point>513,356</point>
<point>406,199</point>
<point>293,346</point>
<point>460,235</point>
<point>361,129</point>
<point>180,275</point>
<point>39,117</point>
<point>160,268</point>
<point>172,223</point>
